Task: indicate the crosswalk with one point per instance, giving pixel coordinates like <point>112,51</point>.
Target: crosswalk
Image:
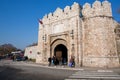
<point>94,75</point>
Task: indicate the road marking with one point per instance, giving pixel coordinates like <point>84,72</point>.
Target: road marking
<point>104,71</point>
<point>93,77</point>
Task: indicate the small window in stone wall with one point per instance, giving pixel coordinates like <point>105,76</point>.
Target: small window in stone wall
<point>38,53</point>
<point>117,32</point>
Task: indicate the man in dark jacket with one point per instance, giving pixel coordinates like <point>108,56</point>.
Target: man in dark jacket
<point>49,60</point>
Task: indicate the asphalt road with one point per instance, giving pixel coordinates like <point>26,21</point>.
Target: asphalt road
<point>21,71</point>
<point>10,70</point>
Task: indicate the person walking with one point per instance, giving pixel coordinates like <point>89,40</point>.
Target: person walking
<point>72,62</point>
<point>49,60</point>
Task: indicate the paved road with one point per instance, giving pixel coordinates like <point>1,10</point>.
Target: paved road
<point>29,71</point>
<point>26,71</point>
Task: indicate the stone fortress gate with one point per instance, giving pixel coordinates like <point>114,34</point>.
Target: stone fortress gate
<point>85,33</point>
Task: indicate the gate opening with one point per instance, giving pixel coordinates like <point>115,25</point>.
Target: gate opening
<point>60,52</point>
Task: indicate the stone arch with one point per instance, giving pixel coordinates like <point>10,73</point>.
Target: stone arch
<point>59,45</point>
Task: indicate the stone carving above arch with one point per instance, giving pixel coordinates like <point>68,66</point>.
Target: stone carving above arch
<point>58,37</point>
<point>58,28</point>
<point>59,41</point>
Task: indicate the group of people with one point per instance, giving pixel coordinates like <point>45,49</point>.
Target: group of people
<point>55,61</point>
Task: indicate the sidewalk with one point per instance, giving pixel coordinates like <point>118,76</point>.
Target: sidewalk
<point>29,63</point>
<point>66,67</point>
<point>85,73</point>
<point>75,68</point>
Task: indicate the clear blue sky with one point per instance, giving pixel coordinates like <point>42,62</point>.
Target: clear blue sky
<point>19,18</point>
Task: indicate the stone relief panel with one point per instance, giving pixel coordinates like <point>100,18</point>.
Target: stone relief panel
<point>58,28</point>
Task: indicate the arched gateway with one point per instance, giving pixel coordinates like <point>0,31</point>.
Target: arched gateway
<point>75,32</point>
<point>59,50</point>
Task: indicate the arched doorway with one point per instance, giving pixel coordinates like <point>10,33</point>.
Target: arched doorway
<point>60,51</point>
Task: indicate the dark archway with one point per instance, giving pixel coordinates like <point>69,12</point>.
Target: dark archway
<point>61,54</point>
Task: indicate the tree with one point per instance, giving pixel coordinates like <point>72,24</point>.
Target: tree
<point>7,48</point>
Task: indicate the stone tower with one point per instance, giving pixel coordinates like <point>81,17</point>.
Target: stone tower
<point>99,45</point>
<point>87,34</point>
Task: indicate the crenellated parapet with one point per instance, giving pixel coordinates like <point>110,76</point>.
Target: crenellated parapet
<point>87,11</point>
<point>60,14</point>
<point>107,8</point>
<point>97,9</point>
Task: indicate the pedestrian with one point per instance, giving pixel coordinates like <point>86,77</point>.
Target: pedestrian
<point>53,60</point>
<point>49,60</point>
<point>57,61</point>
<point>72,62</point>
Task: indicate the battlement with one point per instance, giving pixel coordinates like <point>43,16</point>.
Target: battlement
<point>60,14</point>
<point>97,9</point>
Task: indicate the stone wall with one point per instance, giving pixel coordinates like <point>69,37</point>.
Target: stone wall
<point>59,14</point>
<point>87,33</point>
<point>117,31</point>
<point>55,26</point>
<point>31,52</point>
<point>97,9</point>
<point>99,37</point>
